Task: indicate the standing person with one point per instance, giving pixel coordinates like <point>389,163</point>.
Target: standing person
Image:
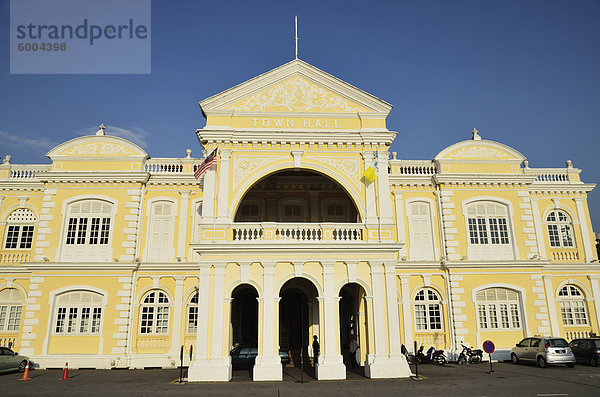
<point>353,347</point>
<point>316,350</point>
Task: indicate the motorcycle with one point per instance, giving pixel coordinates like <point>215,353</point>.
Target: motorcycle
<point>473,356</point>
<point>432,356</point>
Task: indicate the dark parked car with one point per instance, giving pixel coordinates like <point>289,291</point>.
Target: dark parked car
<point>244,356</point>
<point>587,350</point>
<point>11,361</point>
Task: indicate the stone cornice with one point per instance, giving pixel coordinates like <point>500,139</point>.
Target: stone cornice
<point>484,178</point>
<point>76,266</point>
<point>94,176</point>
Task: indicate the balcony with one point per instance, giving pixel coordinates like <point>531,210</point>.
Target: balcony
<point>297,232</point>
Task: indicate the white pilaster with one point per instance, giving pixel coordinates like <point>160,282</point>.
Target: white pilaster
<point>386,214</point>
<point>551,304</point>
<point>331,363</point>
<point>223,197</point>
<point>177,317</point>
<point>539,231</point>
<point>371,203</point>
<point>208,202</point>
<point>400,231</point>
<point>594,280</point>
<point>384,364</point>
<point>268,364</point>
<point>406,311</point>
<point>183,221</point>
<point>210,366</point>
<point>585,232</point>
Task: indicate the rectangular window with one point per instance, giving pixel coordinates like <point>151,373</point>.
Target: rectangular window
<point>504,315</point>
<point>26,237</point>
<point>514,314</point>
<point>473,231</point>
<point>60,319</point>
<point>3,310</point>
<point>72,320</point>
<point>565,231</point>
<point>94,230</point>
<point>553,233</point>
<point>14,318</point>
<point>84,323</point>
<point>82,230</point>
<point>503,230</point>
<point>482,316</point>
<point>483,238</point>
<point>192,320</point>
<point>71,230</point>
<point>12,237</point>
<point>147,320</point>
<point>162,320</point>
<point>435,317</point>
<point>104,231</point>
<point>493,316</point>
<point>96,317</point>
<point>420,317</point>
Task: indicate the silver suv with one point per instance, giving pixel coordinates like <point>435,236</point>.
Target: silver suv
<point>544,351</point>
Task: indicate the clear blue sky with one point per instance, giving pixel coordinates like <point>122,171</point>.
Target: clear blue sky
<point>525,73</point>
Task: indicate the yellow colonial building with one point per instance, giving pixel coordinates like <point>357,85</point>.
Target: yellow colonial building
<point>113,259</point>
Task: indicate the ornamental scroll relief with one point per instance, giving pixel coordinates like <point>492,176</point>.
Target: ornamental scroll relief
<point>295,95</point>
<point>347,166</point>
<point>99,148</point>
<point>479,153</point>
<point>243,165</point>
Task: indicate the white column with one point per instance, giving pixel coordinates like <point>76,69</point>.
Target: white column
<point>331,363</point>
<point>406,311</point>
<point>208,201</point>
<point>210,366</point>
<point>176,326</point>
<point>596,297</point>
<point>223,198</point>
<point>386,214</point>
<point>551,304</point>
<point>392,305</point>
<point>183,222</point>
<point>539,231</point>
<point>588,248</point>
<point>400,221</point>
<point>384,363</point>
<point>370,204</point>
<point>268,364</point>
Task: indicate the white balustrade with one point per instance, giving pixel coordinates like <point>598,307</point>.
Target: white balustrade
<point>302,232</point>
<point>298,232</point>
<point>152,343</point>
<point>570,335</point>
<point>549,175</point>
<point>414,167</point>
<point>565,255</point>
<point>14,257</point>
<point>248,232</point>
<point>27,171</point>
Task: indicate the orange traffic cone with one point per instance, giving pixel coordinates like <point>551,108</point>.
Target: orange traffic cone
<point>65,372</point>
<point>26,373</point>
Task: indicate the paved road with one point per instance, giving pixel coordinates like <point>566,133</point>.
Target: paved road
<point>449,380</point>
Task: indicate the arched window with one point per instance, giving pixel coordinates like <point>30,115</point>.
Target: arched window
<point>161,235</point>
<point>19,229</point>
<point>498,308</point>
<point>488,231</point>
<point>192,323</point>
<point>419,225</point>
<point>572,306</point>
<point>560,229</point>
<point>428,310</point>
<point>154,313</point>
<point>88,231</point>
<point>11,307</point>
<point>78,313</point>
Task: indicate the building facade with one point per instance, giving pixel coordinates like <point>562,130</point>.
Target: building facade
<point>113,259</point>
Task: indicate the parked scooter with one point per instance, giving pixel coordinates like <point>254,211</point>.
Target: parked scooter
<point>473,356</point>
<point>432,356</point>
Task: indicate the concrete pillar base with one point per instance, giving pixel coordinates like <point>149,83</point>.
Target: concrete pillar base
<point>218,370</point>
<point>381,367</point>
<point>267,368</point>
<point>330,368</point>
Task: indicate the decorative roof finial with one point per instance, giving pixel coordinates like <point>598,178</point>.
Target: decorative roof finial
<point>7,159</point>
<point>476,136</point>
<point>101,129</point>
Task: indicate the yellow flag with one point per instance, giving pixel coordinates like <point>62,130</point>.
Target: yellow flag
<point>370,174</point>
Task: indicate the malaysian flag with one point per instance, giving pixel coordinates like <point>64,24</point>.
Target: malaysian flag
<point>205,165</point>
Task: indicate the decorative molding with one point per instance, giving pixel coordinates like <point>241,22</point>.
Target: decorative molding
<point>244,165</point>
<point>295,95</point>
<point>479,153</point>
<point>99,148</point>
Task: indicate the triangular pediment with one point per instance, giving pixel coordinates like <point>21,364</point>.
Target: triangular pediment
<point>295,87</point>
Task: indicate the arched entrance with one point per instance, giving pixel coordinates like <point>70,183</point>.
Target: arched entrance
<point>298,320</point>
<point>299,196</point>
<point>353,323</point>
<point>244,316</point>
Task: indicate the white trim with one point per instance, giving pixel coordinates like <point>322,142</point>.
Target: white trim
<point>52,306</point>
<point>149,214</point>
<point>358,281</point>
<point>586,292</point>
<point>432,218</point>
